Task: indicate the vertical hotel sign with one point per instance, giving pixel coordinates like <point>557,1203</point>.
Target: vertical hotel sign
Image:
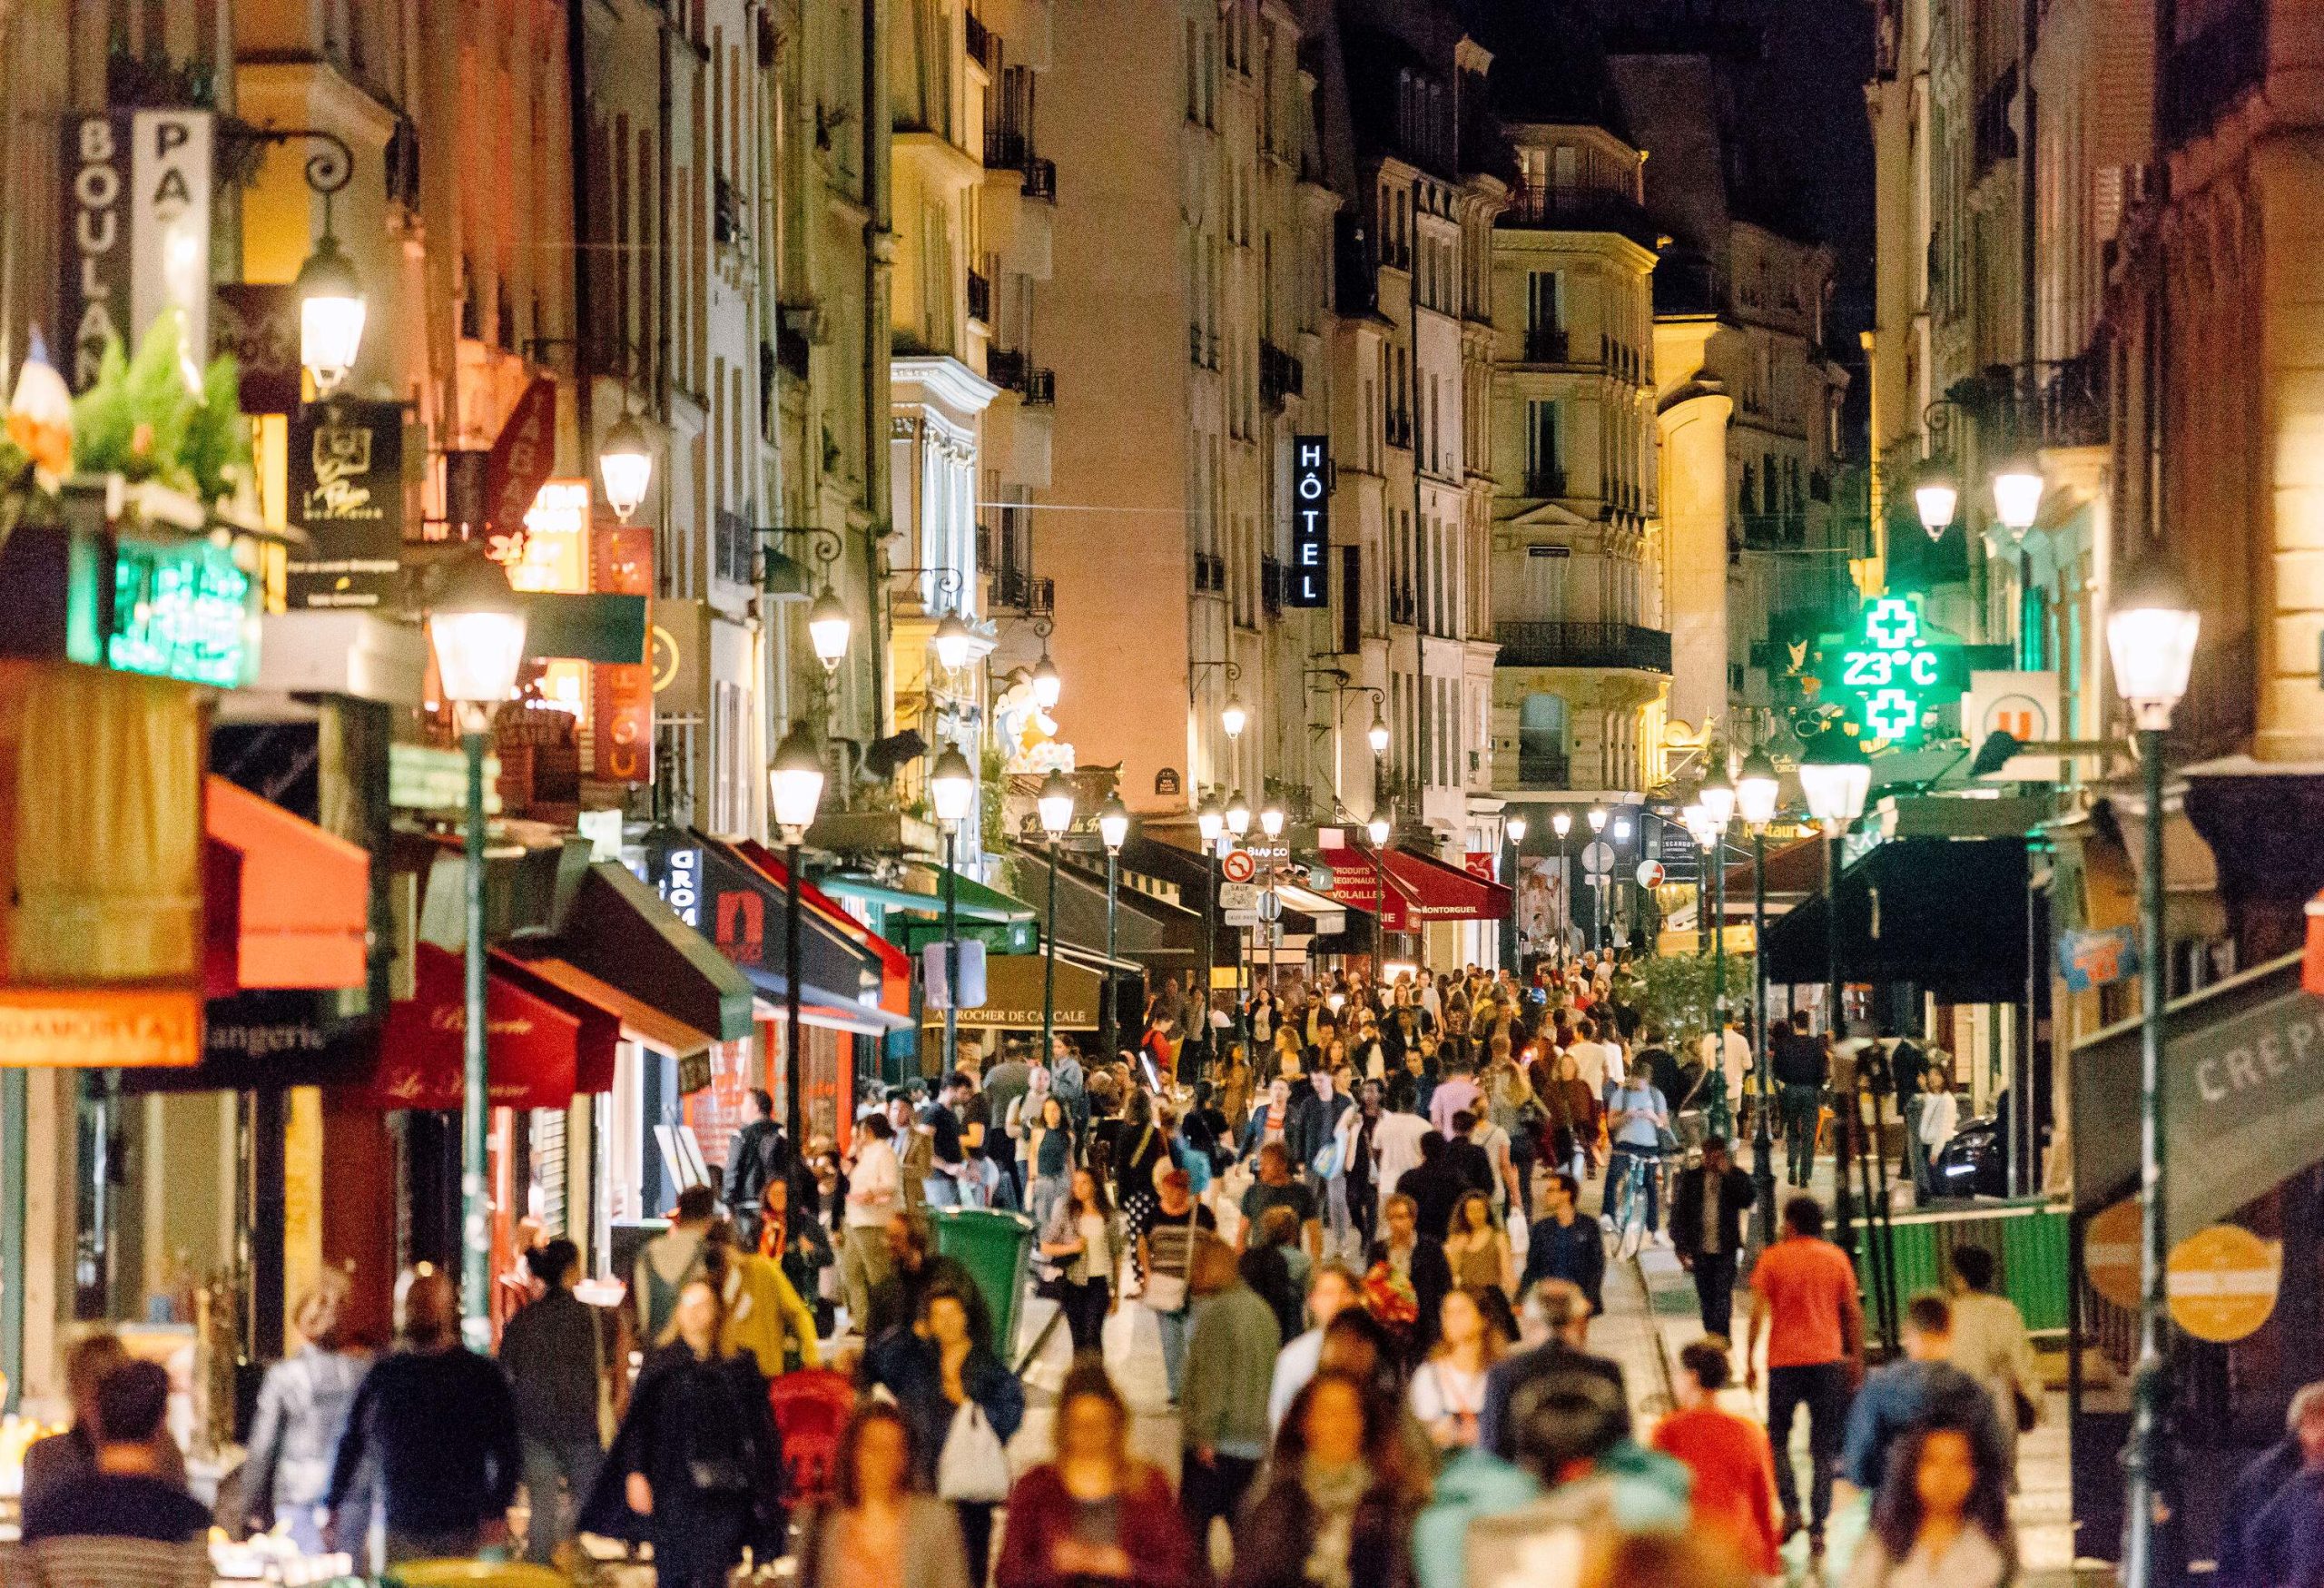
<point>621,694</point>
<point>136,231</point>
<point>1311,522</point>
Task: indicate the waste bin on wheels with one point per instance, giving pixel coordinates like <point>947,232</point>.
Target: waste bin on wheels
<point>995,1248</point>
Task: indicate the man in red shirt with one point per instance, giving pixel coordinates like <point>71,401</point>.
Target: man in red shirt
<point>1734,1470</point>
<point>1804,1303</point>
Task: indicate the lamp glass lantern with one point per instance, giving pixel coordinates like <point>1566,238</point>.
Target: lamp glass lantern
<point>2151,635</point>
<point>1835,779</point>
<point>1232,717</point>
<point>1561,823</point>
<point>951,641</point>
<point>1937,499</point>
<point>795,781</point>
<point>1113,823</point>
<point>1210,822</point>
<point>1755,790</point>
<point>1378,732</point>
<point>331,312</point>
<point>476,632</point>
<point>1378,829</point>
<point>1515,828</point>
<point>953,786</point>
<point>1717,800</point>
<point>1597,819</point>
<point>1056,803</point>
<point>829,628</point>
<point>1049,686</point>
<point>1271,820</point>
<point>624,465</point>
<point>2017,495</point>
<point>1238,814</point>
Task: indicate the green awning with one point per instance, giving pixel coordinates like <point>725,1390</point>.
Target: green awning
<point>921,888</point>
<point>588,628</point>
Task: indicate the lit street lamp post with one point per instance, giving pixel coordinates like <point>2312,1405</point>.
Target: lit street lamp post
<point>477,631</point>
<point>796,783</point>
<point>1210,823</point>
<point>1056,805</point>
<point>1515,828</point>
<point>1598,935</point>
<point>1113,827</point>
<point>1561,823</point>
<point>1836,778</point>
<point>952,788</point>
<point>1755,800</point>
<point>2150,637</point>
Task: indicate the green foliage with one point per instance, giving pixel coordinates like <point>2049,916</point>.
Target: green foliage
<point>140,420</point>
<point>1675,990</point>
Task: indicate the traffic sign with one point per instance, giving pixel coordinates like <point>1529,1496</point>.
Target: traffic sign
<point>1239,896</point>
<point>2222,1282</point>
<point>2110,1253</point>
<point>1598,855</point>
<point>1239,918</point>
<point>1270,906</point>
<point>1238,867</point>
<point>1650,873</point>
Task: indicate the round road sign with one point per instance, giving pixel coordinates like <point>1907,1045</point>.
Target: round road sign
<point>1270,906</point>
<point>1238,867</point>
<point>2222,1282</point>
<point>1650,873</point>
<point>2110,1253</point>
<point>1598,855</point>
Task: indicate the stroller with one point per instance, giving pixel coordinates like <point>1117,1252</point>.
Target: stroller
<point>811,1408</point>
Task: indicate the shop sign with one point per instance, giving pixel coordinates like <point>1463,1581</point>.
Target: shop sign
<point>2023,705</point>
<point>44,1028</point>
<point>2223,1283</point>
<point>621,694</point>
<point>421,777</point>
<point>186,609</point>
<point>680,883</point>
<point>1889,673</point>
<point>1311,522</point>
<point>2097,959</point>
<point>258,323</point>
<point>677,641</point>
<point>1479,863</point>
<point>135,231</point>
<point>346,489</point>
<point>521,458</point>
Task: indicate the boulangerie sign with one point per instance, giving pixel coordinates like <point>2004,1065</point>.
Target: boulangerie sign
<point>136,232</point>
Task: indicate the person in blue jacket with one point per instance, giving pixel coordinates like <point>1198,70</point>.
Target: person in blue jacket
<point>940,1365</point>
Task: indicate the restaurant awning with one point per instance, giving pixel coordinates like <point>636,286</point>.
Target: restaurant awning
<point>2243,1098</point>
<point>1794,869</point>
<point>535,1052</point>
<point>1013,995</point>
<point>895,965</point>
<point>637,1021</point>
<point>1438,891</point>
<point>1152,933</point>
<point>919,887</point>
<point>619,931</point>
<point>1946,915</point>
<point>289,904</point>
<point>1354,880</point>
<point>744,910</point>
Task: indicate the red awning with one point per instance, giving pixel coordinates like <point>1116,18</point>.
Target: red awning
<point>1356,878</point>
<point>1438,891</point>
<point>634,1021</point>
<point>895,965</point>
<point>2311,966</point>
<point>290,904</point>
<point>536,1050</point>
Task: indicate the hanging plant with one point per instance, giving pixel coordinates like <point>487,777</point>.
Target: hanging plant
<point>143,420</point>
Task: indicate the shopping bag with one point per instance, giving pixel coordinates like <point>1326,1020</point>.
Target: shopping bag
<point>974,1466</point>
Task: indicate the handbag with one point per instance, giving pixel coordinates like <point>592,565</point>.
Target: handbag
<point>1167,1292</point>
<point>973,1466</point>
<point>1325,1164</point>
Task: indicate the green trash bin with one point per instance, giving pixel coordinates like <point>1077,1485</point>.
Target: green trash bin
<point>995,1248</point>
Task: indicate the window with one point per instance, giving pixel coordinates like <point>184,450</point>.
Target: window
<point>1351,613</point>
<point>1545,300</point>
<point>1541,741</point>
<point>1544,451</point>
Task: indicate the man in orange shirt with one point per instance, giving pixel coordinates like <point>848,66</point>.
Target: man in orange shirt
<point>1733,1467</point>
<point>1804,1303</point>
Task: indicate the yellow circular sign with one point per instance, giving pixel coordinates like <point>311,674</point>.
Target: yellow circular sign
<point>2110,1253</point>
<point>661,657</point>
<point>2223,1282</point>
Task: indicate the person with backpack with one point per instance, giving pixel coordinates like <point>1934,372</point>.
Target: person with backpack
<point>759,1155</point>
<point>1924,1387</point>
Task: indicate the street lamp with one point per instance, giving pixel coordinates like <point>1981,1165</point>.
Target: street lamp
<point>2150,636</point>
<point>1597,819</point>
<point>1515,827</point>
<point>625,465</point>
<point>1378,828</point>
<point>1378,732</point>
<point>332,311</point>
<point>1755,792</point>
<point>829,628</point>
<point>1717,798</point>
<point>2017,495</point>
<point>1238,814</point>
<point>1055,805</point>
<point>1937,499</point>
<point>477,632</point>
<point>1210,822</point>
<point>952,789</point>
<point>795,783</point>
<point>1232,717</point>
<point>1048,687</point>
<point>951,641</point>
<point>1836,778</point>
<point>1561,823</point>
<point>1271,820</point>
<point>1113,827</point>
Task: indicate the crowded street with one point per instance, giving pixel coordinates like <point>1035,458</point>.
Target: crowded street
<point>1161,794</point>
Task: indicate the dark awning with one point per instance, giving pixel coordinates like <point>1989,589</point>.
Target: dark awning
<point>617,930</point>
<point>743,910</point>
<point>1012,996</point>
<point>1153,932</point>
<point>1946,915</point>
<point>2244,1100</point>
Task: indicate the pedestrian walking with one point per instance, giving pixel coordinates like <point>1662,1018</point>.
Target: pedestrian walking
<point>1637,1119</point>
<point>940,1120</point>
<point>1922,1388</point>
<point>874,1195</point>
<point>964,1406</point>
<point>433,1433</point>
<point>1068,1083</point>
<point>1806,1308</point>
<point>1166,1253</point>
<point>915,1267</point>
<point>56,1459</point>
<point>1274,1265</point>
<point>877,1527</point>
<point>1139,1145</point>
<point>799,1246</point>
<point>1564,1319</point>
<point>1801,1070</point>
<point>1412,1257</point>
<point>758,1156</point>
<point>1940,1121</point>
<point>1991,1346</point>
<point>1333,1290</point>
<point>1094,1514</point>
<point>1458,1092</point>
<point>1082,1243</point>
<point>1728,1455</point>
<point>122,1523</point>
<point>1941,1518</point>
<point>2259,1482</point>
<point>1275,1187</point>
<point>1339,1502</point>
<point>302,1406</point>
<point>696,1468</point>
<point>1223,1414</point>
<point>2282,1542</point>
<point>671,1258</point>
<point>1477,1250</point>
<point>568,1371</point>
<point>1448,1390</point>
<point>1708,1207</point>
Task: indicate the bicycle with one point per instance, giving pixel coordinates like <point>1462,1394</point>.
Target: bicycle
<point>1629,1201</point>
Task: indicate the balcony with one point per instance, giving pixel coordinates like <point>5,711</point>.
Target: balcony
<point>1210,574</point>
<point>1280,375</point>
<point>2075,401</point>
<point>979,297</point>
<point>980,42</point>
<point>1623,646</point>
<point>1020,374</point>
<point>1008,149</point>
<point>1546,344</point>
<point>1015,589</point>
<point>1548,484</point>
<point>1538,769</point>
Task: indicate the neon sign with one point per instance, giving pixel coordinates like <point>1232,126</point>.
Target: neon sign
<point>1889,673</point>
<point>186,610</point>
